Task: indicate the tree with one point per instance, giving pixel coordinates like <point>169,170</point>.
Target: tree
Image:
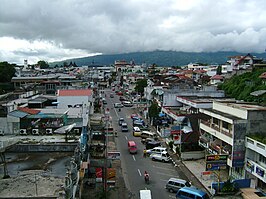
<point>7,71</point>
<point>154,110</point>
<point>219,70</point>
<point>140,85</point>
<point>43,64</point>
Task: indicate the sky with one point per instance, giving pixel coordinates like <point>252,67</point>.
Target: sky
<point>55,30</point>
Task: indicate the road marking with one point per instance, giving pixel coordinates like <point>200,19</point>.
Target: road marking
<point>139,172</point>
<point>134,158</point>
<point>165,168</point>
<point>170,196</point>
<point>126,137</point>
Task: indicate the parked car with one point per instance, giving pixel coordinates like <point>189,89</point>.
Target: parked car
<point>118,105</point>
<point>157,150</point>
<point>164,157</point>
<point>192,192</point>
<point>111,95</point>
<point>127,104</point>
<point>174,184</point>
<point>152,144</point>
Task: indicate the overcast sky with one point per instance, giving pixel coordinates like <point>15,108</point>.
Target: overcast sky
<point>53,30</point>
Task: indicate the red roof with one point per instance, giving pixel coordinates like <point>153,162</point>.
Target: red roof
<point>84,92</point>
<point>217,77</point>
<point>29,110</point>
<point>263,76</point>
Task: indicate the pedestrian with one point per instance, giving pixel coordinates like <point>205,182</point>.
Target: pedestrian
<point>144,153</point>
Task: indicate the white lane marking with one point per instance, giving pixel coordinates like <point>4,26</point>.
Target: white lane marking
<point>126,137</point>
<point>165,168</point>
<point>139,172</point>
<point>133,157</point>
<point>170,196</point>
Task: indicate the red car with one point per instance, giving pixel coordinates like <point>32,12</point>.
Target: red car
<point>120,93</point>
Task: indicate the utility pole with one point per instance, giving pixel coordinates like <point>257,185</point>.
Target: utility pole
<point>106,152</point>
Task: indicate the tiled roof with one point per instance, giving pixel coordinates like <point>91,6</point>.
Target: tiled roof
<point>217,77</point>
<point>29,110</point>
<point>263,76</point>
<point>84,92</point>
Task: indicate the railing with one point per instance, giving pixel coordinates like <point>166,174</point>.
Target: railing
<point>216,127</point>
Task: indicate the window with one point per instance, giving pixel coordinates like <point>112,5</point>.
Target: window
<point>215,121</point>
<point>262,159</point>
<point>225,125</point>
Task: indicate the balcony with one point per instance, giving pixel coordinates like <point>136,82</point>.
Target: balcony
<point>216,132</point>
<point>256,146</point>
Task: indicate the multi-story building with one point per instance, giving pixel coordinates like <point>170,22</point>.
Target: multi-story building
<point>225,130</point>
<point>256,162</point>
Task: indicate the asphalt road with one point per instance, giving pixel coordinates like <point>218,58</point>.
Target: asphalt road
<point>133,166</point>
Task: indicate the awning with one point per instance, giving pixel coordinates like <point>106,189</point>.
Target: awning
<point>65,129</point>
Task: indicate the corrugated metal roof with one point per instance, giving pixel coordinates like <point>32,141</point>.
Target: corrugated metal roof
<point>81,92</point>
<point>18,114</point>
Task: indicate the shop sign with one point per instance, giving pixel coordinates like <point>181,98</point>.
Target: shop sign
<point>259,171</point>
<point>250,166</point>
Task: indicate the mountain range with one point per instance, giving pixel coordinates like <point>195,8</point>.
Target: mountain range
<point>160,58</point>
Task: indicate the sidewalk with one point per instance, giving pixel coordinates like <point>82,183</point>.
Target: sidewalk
<point>193,169</point>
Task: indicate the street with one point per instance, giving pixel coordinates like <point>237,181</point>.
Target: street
<point>134,165</point>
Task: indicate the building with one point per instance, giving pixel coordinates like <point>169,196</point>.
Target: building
<point>255,162</point>
<point>225,130</point>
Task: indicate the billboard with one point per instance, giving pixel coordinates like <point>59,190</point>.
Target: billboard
<point>216,162</point>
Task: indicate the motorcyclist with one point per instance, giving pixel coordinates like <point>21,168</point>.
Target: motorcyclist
<point>119,109</point>
<point>146,177</point>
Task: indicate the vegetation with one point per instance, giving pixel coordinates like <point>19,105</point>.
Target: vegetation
<point>140,85</point>
<point>7,71</point>
<point>161,58</point>
<point>240,86</point>
<point>43,64</point>
<point>154,110</point>
<point>259,137</point>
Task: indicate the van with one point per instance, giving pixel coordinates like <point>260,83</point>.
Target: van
<point>124,127</point>
<point>132,147</point>
<point>145,194</point>
<point>191,193</point>
<point>174,184</point>
<point>147,134</point>
<point>136,131</point>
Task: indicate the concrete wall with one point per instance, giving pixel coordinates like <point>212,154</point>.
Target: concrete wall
<point>53,147</point>
<point>193,155</point>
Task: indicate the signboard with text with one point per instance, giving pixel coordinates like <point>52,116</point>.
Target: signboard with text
<point>216,162</point>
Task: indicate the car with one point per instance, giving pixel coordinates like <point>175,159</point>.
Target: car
<point>120,121</point>
<point>152,144</point>
<point>174,184</point>
<point>156,150</point>
<point>127,104</point>
<point>124,127</point>
<point>118,105</point>
<point>111,95</point>
<point>133,115</point>
<point>164,156</point>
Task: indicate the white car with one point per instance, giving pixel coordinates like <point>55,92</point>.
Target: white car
<point>118,105</point>
<point>164,156</point>
<point>156,150</point>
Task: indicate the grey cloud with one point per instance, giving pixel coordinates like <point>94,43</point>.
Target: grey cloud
<point>117,26</point>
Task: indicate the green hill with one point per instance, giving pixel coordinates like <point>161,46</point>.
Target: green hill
<point>160,58</point>
<point>240,86</point>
